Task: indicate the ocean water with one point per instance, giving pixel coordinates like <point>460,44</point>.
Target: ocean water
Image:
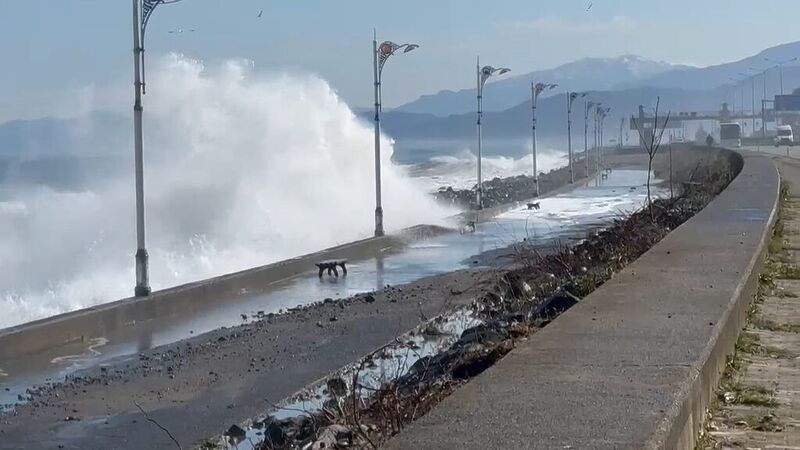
<point>241,170</point>
<point>453,162</point>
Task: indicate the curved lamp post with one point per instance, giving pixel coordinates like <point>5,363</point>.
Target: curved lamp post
<point>596,111</point>
<point>752,98</point>
<point>763,100</point>
<point>740,83</point>
<point>142,10</point>
<point>779,65</point>
<point>571,96</point>
<point>483,73</point>
<point>381,54</point>
<point>588,106</point>
<point>599,118</point>
<point>603,130</point>
<point>536,89</point>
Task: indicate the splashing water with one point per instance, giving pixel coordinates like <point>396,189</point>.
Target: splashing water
<point>459,171</point>
<point>240,171</point>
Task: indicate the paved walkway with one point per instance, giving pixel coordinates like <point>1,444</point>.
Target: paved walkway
<point>633,364</point>
<point>759,400</point>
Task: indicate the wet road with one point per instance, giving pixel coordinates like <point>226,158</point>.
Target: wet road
<point>563,217</point>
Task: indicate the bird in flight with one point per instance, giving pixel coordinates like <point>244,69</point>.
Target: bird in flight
<point>590,6</point>
<point>260,13</point>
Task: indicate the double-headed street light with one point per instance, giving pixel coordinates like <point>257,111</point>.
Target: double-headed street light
<point>483,74</point>
<point>752,98</point>
<point>597,111</point>
<point>779,65</point>
<point>763,100</point>
<point>571,96</point>
<point>380,54</point>
<point>536,89</point>
<point>589,105</point>
<point>739,82</point>
<point>142,10</point>
<point>602,113</point>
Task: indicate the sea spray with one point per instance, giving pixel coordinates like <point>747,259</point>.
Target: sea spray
<point>459,170</point>
<point>239,171</point>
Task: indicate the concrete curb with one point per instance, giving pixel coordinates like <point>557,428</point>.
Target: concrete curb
<point>681,426</point>
<point>85,324</point>
<point>96,321</point>
<point>636,363</point>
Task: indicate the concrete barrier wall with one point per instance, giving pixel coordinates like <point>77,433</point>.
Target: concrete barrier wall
<point>96,321</point>
<point>635,364</point>
<point>99,321</point>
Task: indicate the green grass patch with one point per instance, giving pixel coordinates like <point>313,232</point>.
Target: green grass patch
<point>750,343</point>
<point>787,272</point>
<point>771,325</point>
<point>735,393</point>
<point>783,293</point>
<point>768,423</point>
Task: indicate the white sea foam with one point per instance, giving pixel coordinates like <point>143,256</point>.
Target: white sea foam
<point>460,171</point>
<point>240,171</point>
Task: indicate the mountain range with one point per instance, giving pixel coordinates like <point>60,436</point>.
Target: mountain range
<point>621,83</point>
<point>623,73</point>
<point>584,74</point>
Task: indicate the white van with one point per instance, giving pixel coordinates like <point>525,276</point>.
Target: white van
<point>785,136</point>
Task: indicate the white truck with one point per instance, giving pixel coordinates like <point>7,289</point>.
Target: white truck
<point>730,134</point>
<point>785,136</point>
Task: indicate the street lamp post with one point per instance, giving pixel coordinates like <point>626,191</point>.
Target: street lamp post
<point>779,65</point>
<point>588,106</point>
<point>763,102</point>
<point>596,113</point>
<point>740,83</point>
<point>752,99</point>
<point>142,10</point>
<point>603,113</point>
<point>483,74</point>
<point>536,89</point>
<point>571,96</point>
<point>595,116</point>
<point>733,90</point>
<point>380,54</point>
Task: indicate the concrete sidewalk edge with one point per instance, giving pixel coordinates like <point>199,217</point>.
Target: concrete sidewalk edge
<point>680,428</point>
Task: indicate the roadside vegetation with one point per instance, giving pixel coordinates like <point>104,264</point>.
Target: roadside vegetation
<point>739,403</point>
<point>358,412</point>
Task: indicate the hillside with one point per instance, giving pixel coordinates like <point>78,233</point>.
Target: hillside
<point>501,94</point>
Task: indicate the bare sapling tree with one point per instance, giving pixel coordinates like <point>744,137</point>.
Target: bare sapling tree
<point>650,139</point>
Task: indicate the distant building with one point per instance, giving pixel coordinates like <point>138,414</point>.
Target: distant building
<point>787,110</point>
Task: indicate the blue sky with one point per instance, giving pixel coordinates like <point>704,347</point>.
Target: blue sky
<point>55,46</point>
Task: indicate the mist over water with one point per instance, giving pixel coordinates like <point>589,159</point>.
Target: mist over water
<point>240,171</point>
<point>460,170</point>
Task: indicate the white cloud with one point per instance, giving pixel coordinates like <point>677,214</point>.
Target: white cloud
<point>553,25</point>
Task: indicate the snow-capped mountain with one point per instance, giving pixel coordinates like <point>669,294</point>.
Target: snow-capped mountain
<point>584,74</point>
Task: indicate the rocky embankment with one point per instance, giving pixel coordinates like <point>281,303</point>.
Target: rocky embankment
<point>687,161</point>
<point>524,299</point>
<point>500,191</point>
